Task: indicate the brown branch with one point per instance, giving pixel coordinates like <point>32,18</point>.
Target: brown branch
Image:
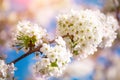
<point>31,51</point>
<point>26,54</point>
<point>117,7</point>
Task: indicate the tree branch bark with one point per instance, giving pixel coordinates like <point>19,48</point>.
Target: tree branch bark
<point>26,54</point>
<point>117,6</point>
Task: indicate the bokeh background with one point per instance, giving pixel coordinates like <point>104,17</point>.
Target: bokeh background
<point>103,65</point>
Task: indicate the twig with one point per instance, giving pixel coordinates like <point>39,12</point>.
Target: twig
<point>32,51</point>
<point>26,54</point>
<point>117,6</point>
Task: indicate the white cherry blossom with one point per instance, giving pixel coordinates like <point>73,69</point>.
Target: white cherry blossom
<point>57,57</point>
<point>6,71</point>
<point>26,32</point>
<point>86,30</point>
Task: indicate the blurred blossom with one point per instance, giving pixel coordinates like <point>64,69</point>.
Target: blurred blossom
<point>4,5</point>
<point>79,69</point>
<point>53,4</point>
<point>2,56</point>
<point>110,5</point>
<point>6,71</point>
<point>44,10</point>
<point>109,68</point>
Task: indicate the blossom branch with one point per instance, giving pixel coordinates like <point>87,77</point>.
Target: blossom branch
<point>32,51</point>
<point>26,54</point>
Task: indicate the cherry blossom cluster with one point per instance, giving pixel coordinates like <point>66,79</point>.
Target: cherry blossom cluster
<point>110,28</point>
<point>56,58</point>
<point>86,30</point>
<point>27,35</point>
<point>78,34</point>
<point>6,71</point>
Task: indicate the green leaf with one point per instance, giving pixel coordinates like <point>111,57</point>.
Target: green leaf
<point>54,64</point>
<point>26,40</point>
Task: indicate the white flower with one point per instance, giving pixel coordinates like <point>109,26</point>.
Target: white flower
<point>109,31</point>
<point>26,32</point>
<point>57,57</point>
<point>3,68</point>
<point>85,30</point>
<point>60,41</point>
<point>6,71</point>
<point>45,49</point>
<point>45,62</point>
<point>79,68</point>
